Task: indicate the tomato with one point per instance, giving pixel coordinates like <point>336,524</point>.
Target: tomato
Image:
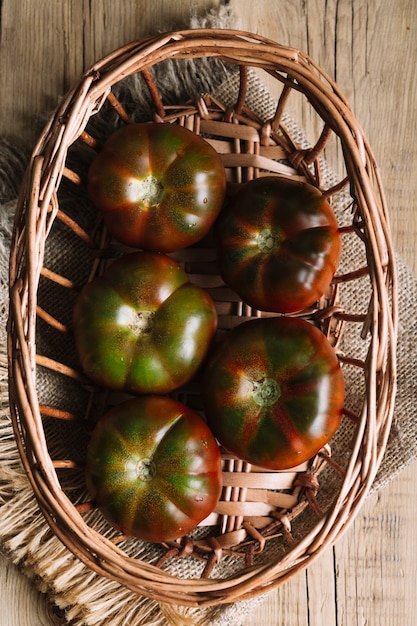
<point>273,391</point>
<point>153,468</point>
<point>142,327</point>
<point>278,244</point>
<point>160,186</point>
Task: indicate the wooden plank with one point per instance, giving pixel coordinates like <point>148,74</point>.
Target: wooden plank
<point>47,67</point>
<point>376,577</point>
<point>52,43</point>
<point>110,26</point>
<point>369,578</point>
<point>274,609</point>
<point>372,577</point>
<point>321,590</point>
<point>22,604</point>
<point>348,39</point>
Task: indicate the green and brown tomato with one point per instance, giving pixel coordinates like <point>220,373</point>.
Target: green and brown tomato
<point>159,185</point>
<point>278,244</point>
<point>273,391</point>
<point>153,468</point>
<point>142,327</point>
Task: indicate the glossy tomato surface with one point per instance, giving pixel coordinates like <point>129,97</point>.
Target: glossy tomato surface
<point>160,186</point>
<point>278,244</point>
<point>142,327</point>
<point>153,468</point>
<point>273,391</point>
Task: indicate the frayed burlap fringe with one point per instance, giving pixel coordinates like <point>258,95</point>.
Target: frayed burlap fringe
<point>85,597</point>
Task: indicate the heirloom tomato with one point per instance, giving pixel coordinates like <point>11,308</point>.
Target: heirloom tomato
<point>153,468</point>
<point>142,327</point>
<point>160,186</point>
<point>278,244</point>
<point>273,391</point>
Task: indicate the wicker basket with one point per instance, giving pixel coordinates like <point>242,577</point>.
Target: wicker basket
<point>268,525</point>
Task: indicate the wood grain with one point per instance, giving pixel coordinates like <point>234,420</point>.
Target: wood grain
<point>367,579</point>
<point>370,47</point>
<point>22,604</point>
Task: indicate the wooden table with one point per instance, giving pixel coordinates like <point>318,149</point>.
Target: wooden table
<point>370,47</point>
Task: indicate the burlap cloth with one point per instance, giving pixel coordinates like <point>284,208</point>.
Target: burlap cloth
<point>86,598</point>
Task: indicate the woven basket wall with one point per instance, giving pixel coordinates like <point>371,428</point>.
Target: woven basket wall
<point>268,525</point>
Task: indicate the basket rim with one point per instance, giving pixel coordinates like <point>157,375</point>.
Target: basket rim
<point>38,193</point>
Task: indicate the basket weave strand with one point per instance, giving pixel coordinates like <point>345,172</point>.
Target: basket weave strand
<point>267,526</point>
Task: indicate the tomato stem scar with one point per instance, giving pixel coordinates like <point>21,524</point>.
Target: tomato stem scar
<point>266,240</point>
<point>266,391</point>
<point>150,191</point>
<point>142,322</point>
<point>145,470</point>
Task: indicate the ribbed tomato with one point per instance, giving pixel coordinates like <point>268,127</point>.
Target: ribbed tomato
<point>160,186</point>
<point>273,391</point>
<point>278,244</point>
<point>153,468</point>
<point>142,327</point>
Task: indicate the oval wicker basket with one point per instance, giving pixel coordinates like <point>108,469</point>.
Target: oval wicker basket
<point>268,525</point>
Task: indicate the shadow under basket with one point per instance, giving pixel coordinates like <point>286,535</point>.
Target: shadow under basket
<point>268,525</point>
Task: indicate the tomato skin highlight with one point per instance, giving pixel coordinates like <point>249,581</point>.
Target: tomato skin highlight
<point>278,244</point>
<point>153,468</point>
<point>160,186</point>
<point>142,327</point>
<point>273,391</point>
